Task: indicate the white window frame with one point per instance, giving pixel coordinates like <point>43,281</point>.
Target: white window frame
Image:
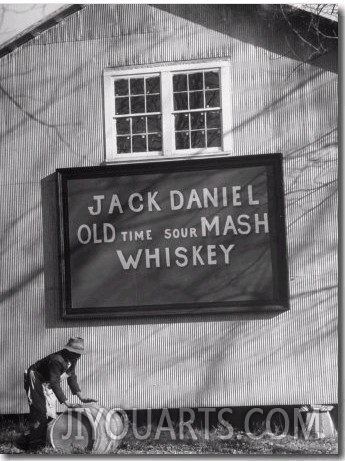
<point>166,73</point>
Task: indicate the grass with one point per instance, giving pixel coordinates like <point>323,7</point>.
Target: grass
<point>183,442</point>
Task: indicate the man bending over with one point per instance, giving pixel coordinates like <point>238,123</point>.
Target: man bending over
<point>42,385</point>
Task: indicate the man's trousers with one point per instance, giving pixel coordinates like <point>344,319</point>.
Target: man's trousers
<point>42,402</point>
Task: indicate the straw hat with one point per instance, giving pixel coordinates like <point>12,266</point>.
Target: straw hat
<point>76,345</point>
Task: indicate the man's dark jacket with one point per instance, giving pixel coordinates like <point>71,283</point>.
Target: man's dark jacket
<point>50,370</point>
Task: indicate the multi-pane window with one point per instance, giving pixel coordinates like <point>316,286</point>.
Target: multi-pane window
<point>197,110</point>
<point>174,110</point>
<point>138,114</point>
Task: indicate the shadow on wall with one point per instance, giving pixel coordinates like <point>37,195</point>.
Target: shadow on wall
<point>260,25</point>
<point>52,285</point>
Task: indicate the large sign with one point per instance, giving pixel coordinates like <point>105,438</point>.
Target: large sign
<point>195,236</point>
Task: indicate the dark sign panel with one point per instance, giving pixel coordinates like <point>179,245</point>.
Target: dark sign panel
<point>173,237</point>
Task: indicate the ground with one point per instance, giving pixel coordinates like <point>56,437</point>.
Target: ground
<point>239,443</point>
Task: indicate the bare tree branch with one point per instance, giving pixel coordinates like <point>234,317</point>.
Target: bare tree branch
<point>20,107</point>
<point>282,9</point>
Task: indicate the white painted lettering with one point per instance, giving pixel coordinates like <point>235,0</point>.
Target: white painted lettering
<point>167,257</point>
<point>95,239</point>
<point>194,198</point>
<point>109,233</point>
<point>251,200</point>
<point>236,196</point>
<point>152,202</point>
<point>180,253</point>
<point>207,226</point>
<point>152,256</point>
<point>259,223</point>
<point>130,262</point>
<point>115,203</point>
<point>96,210</point>
<point>176,196</point>
<point>197,257</point>
<point>211,255</point>
<point>86,231</point>
<point>132,197</point>
<point>229,225</point>
<point>226,252</point>
<point>208,197</point>
<point>241,222</point>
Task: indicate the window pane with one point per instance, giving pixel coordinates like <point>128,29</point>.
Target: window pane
<point>123,144</point>
<point>197,139</point>
<point>153,103</point>
<point>121,87</point>
<point>137,86</point>
<point>155,142</point>
<point>196,81</point>
<point>137,104</point>
<point>211,80</point>
<point>197,120</point>
<point>196,100</point>
<point>153,85</point>
<point>123,126</point>
<point>181,101</point>
<point>181,122</point>
<point>212,98</point>
<point>213,138</point>
<point>121,106</point>
<point>213,119</point>
<point>182,140</point>
<point>180,82</point>
<point>154,124</point>
<point>139,143</point>
<point>138,125</point>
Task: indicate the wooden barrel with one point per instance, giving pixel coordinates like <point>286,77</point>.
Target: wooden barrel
<point>87,428</point>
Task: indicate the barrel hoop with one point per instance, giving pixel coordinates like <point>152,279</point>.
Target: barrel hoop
<point>77,410</point>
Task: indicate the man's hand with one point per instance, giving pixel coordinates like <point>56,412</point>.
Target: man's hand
<point>85,399</point>
<point>70,405</point>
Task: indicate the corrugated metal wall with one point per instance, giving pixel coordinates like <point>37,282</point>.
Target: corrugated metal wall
<point>52,117</point>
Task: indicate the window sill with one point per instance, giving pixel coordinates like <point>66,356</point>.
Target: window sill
<point>144,158</point>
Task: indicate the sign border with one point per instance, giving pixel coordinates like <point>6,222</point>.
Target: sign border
<point>280,303</point>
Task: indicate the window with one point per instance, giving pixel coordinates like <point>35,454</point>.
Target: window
<point>138,116</point>
<point>171,111</point>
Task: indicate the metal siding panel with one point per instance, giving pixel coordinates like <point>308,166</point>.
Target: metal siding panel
<point>206,361</point>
